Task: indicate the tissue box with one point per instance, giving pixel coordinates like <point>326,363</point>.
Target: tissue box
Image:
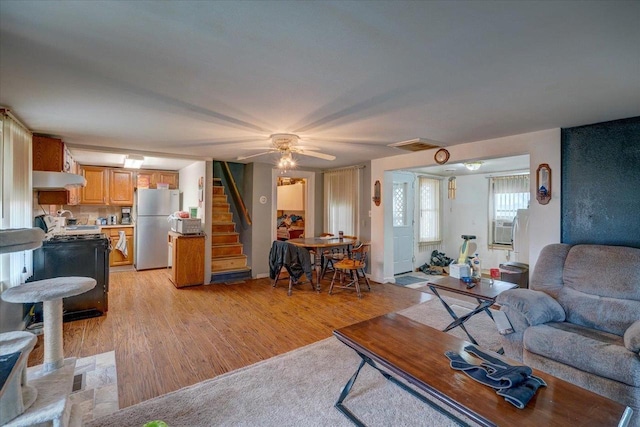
<point>459,270</point>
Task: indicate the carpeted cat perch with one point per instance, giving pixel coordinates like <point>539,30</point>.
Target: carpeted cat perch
<point>24,404</point>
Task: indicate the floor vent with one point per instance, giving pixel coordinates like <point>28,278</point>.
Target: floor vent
<point>77,383</point>
<point>418,144</point>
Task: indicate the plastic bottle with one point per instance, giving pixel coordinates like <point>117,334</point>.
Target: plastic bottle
<point>476,267</point>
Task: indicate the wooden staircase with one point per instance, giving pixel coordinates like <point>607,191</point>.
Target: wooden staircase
<point>228,262</point>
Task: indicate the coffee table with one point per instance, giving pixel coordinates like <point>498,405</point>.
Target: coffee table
<point>403,349</point>
<point>485,292</point>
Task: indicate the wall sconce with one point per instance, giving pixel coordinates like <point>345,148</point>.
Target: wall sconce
<point>473,166</point>
<point>452,187</point>
<point>133,162</point>
<point>377,190</point>
<point>543,183</point>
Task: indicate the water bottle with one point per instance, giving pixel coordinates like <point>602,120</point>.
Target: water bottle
<point>476,267</point>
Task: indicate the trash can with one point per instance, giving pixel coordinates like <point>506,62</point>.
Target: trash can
<point>515,272</point>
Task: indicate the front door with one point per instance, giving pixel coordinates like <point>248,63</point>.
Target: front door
<point>403,197</point>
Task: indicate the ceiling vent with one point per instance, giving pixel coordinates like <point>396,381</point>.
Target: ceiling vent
<point>418,144</point>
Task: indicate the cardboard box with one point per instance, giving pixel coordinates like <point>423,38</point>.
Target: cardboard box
<point>459,270</point>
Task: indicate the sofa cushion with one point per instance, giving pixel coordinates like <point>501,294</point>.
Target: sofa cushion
<point>589,350</point>
<point>613,315</point>
<point>607,271</point>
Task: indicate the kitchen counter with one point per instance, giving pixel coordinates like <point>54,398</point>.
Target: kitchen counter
<point>116,226</point>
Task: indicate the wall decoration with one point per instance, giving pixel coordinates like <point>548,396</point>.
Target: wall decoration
<point>543,184</point>
<point>377,191</point>
<point>441,157</point>
<point>600,183</point>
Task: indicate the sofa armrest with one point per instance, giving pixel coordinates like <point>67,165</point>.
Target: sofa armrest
<point>535,307</point>
<point>632,337</point>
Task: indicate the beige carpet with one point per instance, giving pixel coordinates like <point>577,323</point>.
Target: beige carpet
<point>299,388</point>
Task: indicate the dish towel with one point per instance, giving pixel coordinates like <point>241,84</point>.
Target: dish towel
<point>122,244</point>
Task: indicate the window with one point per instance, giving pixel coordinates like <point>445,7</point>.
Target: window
<point>507,194</point>
<point>429,209</point>
<point>399,204</point>
<point>341,201</point>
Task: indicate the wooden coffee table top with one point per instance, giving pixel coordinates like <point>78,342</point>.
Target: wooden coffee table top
<point>483,289</point>
<point>415,352</point>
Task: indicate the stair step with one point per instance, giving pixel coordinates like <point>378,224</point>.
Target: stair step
<point>222,217</point>
<point>233,262</point>
<point>221,207</point>
<point>224,238</point>
<point>219,198</point>
<point>223,227</point>
<point>226,250</point>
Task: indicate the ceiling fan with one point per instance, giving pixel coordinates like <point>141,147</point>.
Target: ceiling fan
<point>287,144</point>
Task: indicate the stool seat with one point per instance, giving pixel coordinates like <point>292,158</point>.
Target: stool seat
<point>49,289</point>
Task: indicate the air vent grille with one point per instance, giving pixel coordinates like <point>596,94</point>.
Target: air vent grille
<point>418,144</point>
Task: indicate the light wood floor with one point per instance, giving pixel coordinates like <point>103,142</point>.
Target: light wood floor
<point>166,338</point>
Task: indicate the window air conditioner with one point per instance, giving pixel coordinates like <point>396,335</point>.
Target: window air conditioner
<point>502,232</point>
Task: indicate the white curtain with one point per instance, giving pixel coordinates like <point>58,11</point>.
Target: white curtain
<point>342,190</point>
<point>429,209</point>
<point>17,196</point>
<point>508,194</point>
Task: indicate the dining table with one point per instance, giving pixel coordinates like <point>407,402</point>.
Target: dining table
<point>317,245</point>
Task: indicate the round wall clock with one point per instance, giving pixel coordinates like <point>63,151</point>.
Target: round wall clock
<point>441,157</point>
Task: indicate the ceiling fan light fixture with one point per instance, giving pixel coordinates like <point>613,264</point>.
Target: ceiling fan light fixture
<point>286,161</point>
<point>473,166</point>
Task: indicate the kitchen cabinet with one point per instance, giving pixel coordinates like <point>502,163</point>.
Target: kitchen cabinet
<point>187,259</point>
<point>51,154</point>
<point>121,187</point>
<point>96,192</point>
<point>117,257</point>
<point>151,178</point>
<point>48,154</point>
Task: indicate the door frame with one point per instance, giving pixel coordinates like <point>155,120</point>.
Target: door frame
<point>310,196</point>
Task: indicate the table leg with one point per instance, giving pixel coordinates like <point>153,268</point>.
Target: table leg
<point>459,321</point>
<point>347,388</point>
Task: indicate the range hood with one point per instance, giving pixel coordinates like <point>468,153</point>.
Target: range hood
<point>57,180</point>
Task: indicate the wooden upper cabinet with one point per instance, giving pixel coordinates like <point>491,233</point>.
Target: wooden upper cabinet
<point>48,154</point>
<point>96,191</point>
<point>121,187</point>
<point>150,179</point>
<point>170,178</point>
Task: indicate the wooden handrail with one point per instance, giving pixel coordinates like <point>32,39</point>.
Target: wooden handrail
<point>235,194</point>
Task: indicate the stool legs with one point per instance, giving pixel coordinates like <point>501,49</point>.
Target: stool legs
<point>53,350</point>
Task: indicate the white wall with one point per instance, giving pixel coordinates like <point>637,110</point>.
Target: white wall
<point>188,182</point>
<point>544,225</point>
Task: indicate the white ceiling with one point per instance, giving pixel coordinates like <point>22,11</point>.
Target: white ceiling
<point>215,79</point>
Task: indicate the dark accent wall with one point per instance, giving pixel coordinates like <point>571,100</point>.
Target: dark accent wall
<point>601,183</point>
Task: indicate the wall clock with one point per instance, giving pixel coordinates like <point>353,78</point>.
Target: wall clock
<point>441,157</point>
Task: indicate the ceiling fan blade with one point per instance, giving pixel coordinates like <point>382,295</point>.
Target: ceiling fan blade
<point>318,155</point>
<point>253,155</point>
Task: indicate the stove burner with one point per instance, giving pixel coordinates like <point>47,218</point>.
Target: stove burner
<point>76,237</point>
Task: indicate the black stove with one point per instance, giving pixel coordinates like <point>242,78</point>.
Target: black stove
<point>85,255</point>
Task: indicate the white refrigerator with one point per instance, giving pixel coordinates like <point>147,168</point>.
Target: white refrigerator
<point>152,208</point>
<point>521,236</point>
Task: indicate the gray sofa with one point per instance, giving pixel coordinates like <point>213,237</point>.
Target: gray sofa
<point>580,319</point>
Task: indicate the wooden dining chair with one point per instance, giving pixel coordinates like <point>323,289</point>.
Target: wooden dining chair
<point>333,255</point>
<point>354,266</point>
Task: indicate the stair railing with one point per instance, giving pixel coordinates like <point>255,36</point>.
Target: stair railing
<point>235,194</point>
